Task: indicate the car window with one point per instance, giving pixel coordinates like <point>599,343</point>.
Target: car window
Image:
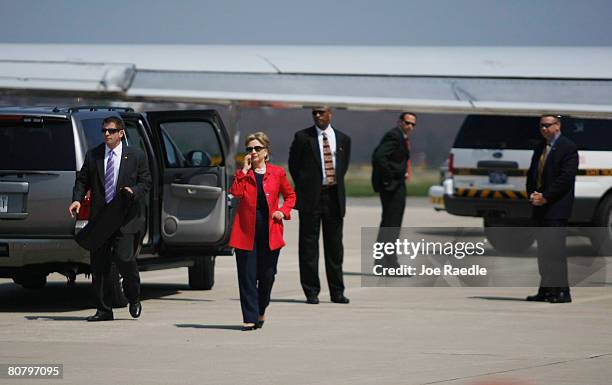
<point>133,135</point>
<point>522,133</point>
<point>36,144</point>
<point>173,159</point>
<point>93,133</point>
<point>94,136</point>
<point>589,134</point>
<point>498,132</point>
<point>191,144</point>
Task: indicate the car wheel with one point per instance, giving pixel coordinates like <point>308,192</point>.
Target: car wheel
<point>601,235</point>
<point>202,273</point>
<point>506,238</point>
<point>118,298</point>
<point>31,281</point>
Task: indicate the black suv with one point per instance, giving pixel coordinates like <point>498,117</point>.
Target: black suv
<point>189,208</point>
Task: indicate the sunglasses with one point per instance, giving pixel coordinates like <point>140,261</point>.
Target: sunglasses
<point>318,112</point>
<point>256,148</point>
<point>110,130</point>
<point>546,125</point>
<point>409,123</point>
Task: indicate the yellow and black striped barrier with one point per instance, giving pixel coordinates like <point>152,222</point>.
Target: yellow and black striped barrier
<point>523,172</point>
<point>596,172</point>
<point>490,194</point>
<point>487,171</point>
<point>437,200</point>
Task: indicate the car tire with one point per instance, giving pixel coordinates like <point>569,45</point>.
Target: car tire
<point>31,281</point>
<point>118,297</point>
<point>506,238</point>
<point>601,236</point>
<point>202,273</point>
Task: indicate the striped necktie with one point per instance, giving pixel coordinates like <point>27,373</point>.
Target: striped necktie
<point>541,164</point>
<point>330,172</point>
<point>109,178</point>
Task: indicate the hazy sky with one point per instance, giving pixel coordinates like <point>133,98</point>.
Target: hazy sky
<point>355,22</point>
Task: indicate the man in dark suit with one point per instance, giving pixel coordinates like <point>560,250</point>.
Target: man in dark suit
<point>111,169</point>
<point>318,160</point>
<point>550,187</point>
<point>389,172</point>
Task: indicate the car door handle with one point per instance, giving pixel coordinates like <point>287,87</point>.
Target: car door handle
<point>195,191</point>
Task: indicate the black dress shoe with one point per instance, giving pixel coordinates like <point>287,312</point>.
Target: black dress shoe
<point>560,296</point>
<point>542,296</point>
<point>312,300</point>
<point>260,324</point>
<point>135,309</point>
<point>340,299</point>
<point>100,316</point>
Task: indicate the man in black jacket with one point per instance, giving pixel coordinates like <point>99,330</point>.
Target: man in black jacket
<point>550,187</point>
<point>318,159</point>
<point>109,170</point>
<point>389,172</point>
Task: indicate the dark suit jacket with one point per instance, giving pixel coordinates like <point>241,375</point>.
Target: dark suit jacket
<point>133,173</point>
<point>306,170</point>
<point>558,177</point>
<point>389,161</point>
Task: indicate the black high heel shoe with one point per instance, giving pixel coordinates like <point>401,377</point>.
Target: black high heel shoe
<point>260,323</point>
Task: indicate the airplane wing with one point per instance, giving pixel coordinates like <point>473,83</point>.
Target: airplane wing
<point>508,80</point>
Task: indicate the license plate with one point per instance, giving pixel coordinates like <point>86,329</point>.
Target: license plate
<point>498,177</point>
<point>3,203</point>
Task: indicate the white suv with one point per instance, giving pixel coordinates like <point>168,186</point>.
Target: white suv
<point>488,164</point>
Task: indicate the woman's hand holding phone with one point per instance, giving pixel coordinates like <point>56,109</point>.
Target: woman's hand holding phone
<point>247,163</point>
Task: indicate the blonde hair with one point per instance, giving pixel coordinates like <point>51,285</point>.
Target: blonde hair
<point>262,138</point>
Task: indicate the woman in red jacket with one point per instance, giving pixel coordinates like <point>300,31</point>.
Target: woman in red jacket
<point>257,233</point>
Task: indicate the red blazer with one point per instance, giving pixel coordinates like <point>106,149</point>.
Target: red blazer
<point>245,187</point>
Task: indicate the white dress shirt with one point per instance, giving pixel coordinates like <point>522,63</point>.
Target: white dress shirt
<point>116,162</point>
<point>331,138</point>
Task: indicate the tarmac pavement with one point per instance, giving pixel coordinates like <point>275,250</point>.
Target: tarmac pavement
<point>386,335</point>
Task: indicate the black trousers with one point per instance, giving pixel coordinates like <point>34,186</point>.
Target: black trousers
<point>552,254</point>
<point>393,205</point>
<point>256,271</point>
<point>328,214</point>
<point>119,249</point>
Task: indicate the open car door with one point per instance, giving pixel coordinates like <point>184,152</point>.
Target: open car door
<point>192,151</point>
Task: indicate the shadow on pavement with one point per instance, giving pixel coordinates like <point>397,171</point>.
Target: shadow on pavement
<point>573,250</point>
<point>53,318</point>
<point>281,300</point>
<point>288,300</point>
<point>186,299</point>
<point>57,297</point>
<point>360,274</point>
<point>451,231</point>
<point>200,326</point>
<point>521,299</point>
